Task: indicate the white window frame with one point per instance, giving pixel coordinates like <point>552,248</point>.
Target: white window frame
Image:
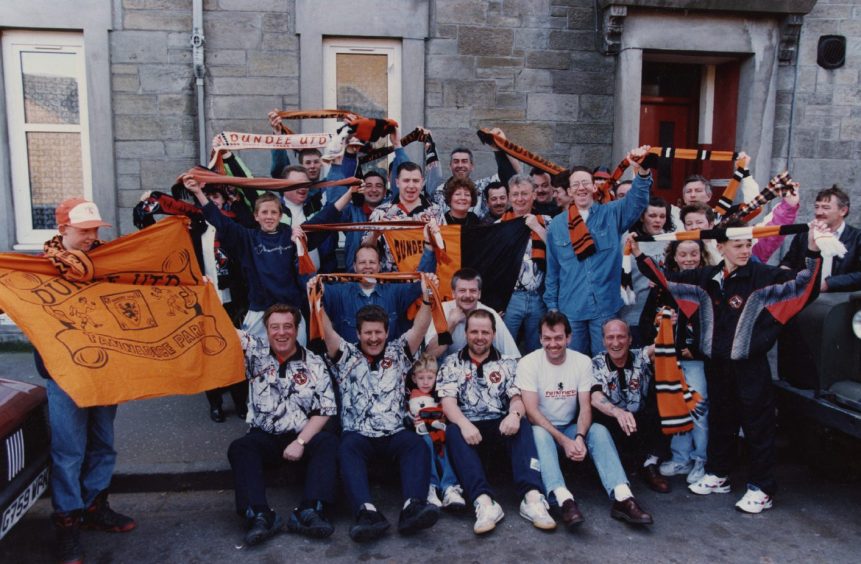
<point>13,43</point>
<point>332,46</point>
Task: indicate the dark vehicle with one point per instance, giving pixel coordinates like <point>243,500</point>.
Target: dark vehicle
<point>819,364</point>
<point>25,453</point>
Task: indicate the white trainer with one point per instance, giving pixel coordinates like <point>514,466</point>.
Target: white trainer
<point>697,472</point>
<point>453,498</point>
<point>537,513</point>
<point>709,484</point>
<point>754,501</point>
<point>433,497</point>
<point>673,468</point>
<point>486,517</point>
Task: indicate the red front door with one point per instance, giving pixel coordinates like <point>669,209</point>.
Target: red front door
<point>669,122</point>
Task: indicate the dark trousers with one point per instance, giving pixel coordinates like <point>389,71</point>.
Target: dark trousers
<point>406,447</point>
<point>520,449</point>
<point>741,394</point>
<point>648,440</point>
<point>238,391</point>
<point>249,454</point>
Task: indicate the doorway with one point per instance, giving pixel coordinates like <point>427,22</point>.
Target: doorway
<point>688,105</point>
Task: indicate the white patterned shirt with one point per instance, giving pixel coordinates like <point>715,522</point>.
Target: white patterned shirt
<point>283,397</point>
<point>372,392</point>
<point>483,391</point>
<point>394,211</point>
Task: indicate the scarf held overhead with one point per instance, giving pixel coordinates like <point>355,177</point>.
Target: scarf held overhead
<point>139,323</point>
<point>315,299</point>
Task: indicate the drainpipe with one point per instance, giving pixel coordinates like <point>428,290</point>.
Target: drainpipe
<point>197,41</point>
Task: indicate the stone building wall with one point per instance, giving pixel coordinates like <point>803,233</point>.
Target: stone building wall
<point>252,66</point>
<point>821,145</point>
<point>528,66</point>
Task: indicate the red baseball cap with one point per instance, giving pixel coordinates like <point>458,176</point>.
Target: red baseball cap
<point>81,213</point>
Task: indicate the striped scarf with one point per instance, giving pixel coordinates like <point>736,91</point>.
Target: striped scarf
<point>757,232</point>
<point>539,247</point>
<point>75,266</point>
<point>776,186</point>
<point>581,239</point>
<point>726,199</point>
<point>678,403</point>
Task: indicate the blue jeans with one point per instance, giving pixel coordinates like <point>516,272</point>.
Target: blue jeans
<point>404,446</point>
<point>519,447</point>
<point>587,336</point>
<point>693,445</point>
<point>82,450</point>
<point>602,450</point>
<point>525,309</point>
<point>448,478</point>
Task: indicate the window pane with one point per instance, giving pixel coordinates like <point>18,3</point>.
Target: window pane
<point>55,173</point>
<point>50,87</point>
<point>363,84</point>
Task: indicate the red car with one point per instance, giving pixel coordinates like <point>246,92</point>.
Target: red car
<point>26,449</point>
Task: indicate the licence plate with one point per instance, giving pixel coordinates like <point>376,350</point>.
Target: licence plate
<point>23,502</point>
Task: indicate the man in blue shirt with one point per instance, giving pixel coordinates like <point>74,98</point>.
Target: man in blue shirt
<point>343,301</point>
<point>586,289</point>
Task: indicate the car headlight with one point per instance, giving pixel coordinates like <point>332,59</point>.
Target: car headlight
<point>856,323</point>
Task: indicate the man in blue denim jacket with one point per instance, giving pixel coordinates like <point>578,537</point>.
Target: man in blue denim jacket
<point>587,290</point>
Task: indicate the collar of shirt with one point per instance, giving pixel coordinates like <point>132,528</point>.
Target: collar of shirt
<point>621,370</point>
<point>361,293</point>
<point>840,230</point>
<point>299,355</point>
<point>466,357</point>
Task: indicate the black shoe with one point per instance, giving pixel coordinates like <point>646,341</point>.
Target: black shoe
<point>264,525</point>
<point>217,414</point>
<point>68,525</point>
<point>369,525</point>
<point>310,522</point>
<point>417,515</point>
<point>242,413</point>
<point>100,517</point>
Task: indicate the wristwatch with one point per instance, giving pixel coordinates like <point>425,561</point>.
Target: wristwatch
<point>301,441</point>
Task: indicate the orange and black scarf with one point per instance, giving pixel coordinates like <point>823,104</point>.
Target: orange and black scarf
<point>75,266</point>
<point>677,402</point>
<point>581,239</point>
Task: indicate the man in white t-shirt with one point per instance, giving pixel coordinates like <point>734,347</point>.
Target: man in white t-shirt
<point>555,386</point>
<point>466,286</point>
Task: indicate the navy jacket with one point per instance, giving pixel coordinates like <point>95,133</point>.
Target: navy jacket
<point>845,272</point>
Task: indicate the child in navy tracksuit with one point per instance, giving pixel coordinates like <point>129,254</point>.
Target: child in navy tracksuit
<point>268,255</point>
<point>740,307</point>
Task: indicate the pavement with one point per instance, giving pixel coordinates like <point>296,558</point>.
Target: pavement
<point>172,475</point>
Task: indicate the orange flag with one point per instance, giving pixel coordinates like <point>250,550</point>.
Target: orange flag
<point>407,246</point>
<point>145,326</point>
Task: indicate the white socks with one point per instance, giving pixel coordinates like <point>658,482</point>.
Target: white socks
<point>562,495</point>
<point>622,492</point>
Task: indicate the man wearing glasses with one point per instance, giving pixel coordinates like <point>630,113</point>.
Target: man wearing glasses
<point>586,288</point>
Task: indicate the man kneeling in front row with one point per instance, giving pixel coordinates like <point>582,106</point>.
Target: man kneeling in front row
<point>556,387</point>
<point>290,402</point>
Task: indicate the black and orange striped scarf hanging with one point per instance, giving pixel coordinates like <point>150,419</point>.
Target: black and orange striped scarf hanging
<point>539,247</point>
<point>581,239</point>
<point>677,402</point>
<point>741,172</point>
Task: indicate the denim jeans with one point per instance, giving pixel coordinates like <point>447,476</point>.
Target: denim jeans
<point>587,336</point>
<point>447,478</point>
<point>600,447</point>
<point>525,309</point>
<point>693,445</point>
<point>404,446</point>
<point>82,450</point>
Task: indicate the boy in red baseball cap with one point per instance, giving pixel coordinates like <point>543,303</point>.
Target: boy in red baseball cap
<point>82,439</point>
